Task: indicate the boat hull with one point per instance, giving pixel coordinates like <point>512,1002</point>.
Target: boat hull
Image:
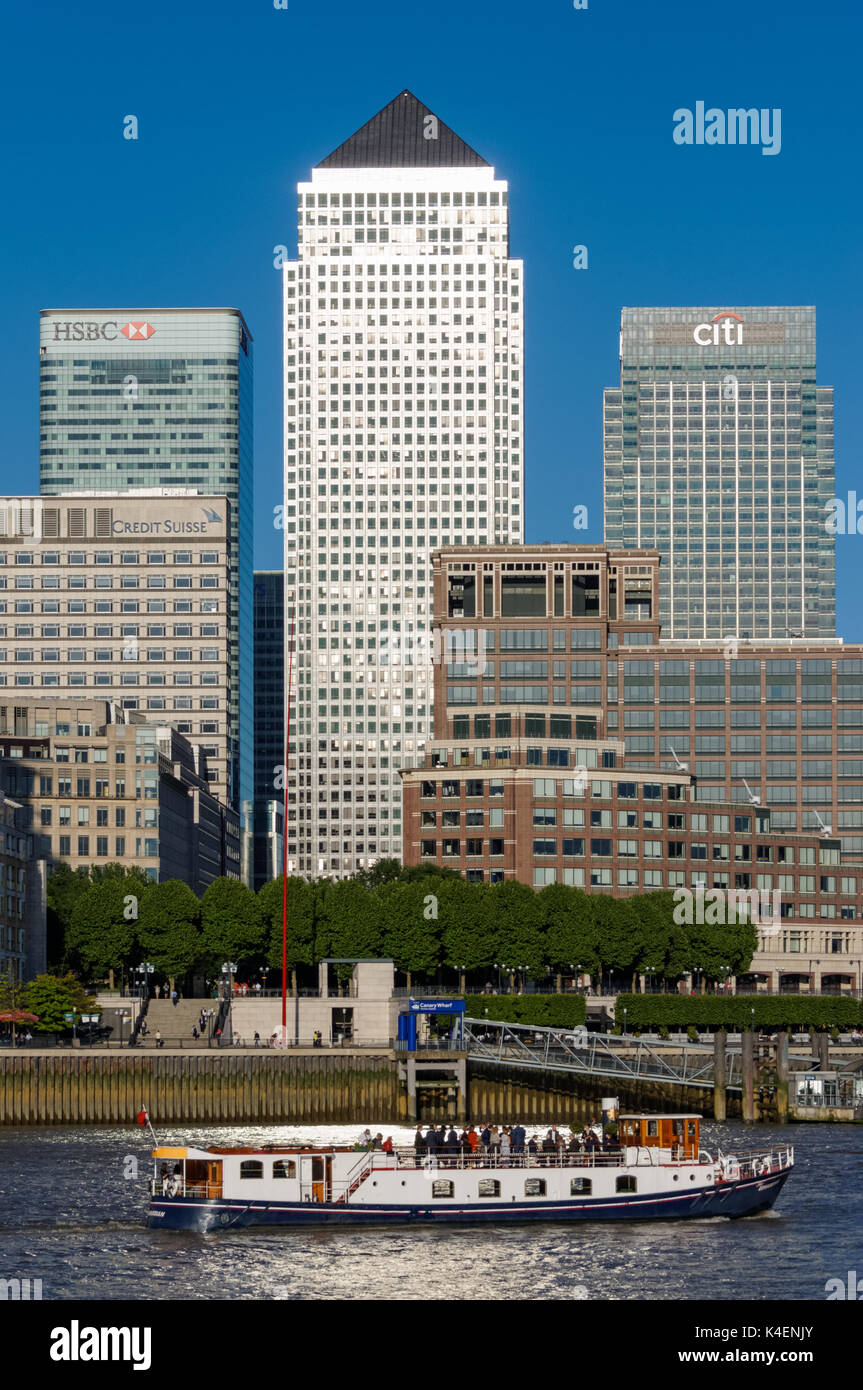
<point>745,1197</point>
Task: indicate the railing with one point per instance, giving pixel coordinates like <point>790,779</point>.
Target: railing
<point>575,1051</point>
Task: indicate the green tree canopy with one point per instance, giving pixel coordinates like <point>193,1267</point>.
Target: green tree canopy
<point>103,931</point>
<point>514,922</point>
<point>467,934</point>
<point>50,996</point>
<point>301,914</point>
<point>570,927</point>
<point>169,927</point>
<point>349,923</point>
<point>410,916</point>
<point>231,925</point>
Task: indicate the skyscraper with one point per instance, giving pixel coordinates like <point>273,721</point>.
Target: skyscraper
<point>403,432</point>
<point>161,399</point>
<point>719,451</point>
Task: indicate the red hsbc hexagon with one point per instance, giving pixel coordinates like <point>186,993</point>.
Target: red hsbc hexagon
<point>137,329</point>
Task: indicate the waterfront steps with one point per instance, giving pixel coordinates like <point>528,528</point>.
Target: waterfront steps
<point>175,1023</point>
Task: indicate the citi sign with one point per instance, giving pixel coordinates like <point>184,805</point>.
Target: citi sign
<point>724,330</point>
<point>85,330</point>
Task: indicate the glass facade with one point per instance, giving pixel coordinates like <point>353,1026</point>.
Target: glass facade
<point>718,450</point>
<point>160,398</point>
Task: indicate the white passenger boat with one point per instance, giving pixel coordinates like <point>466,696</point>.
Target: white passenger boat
<point>658,1171</point>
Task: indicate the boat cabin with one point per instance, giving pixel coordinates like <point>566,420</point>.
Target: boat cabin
<point>679,1134</point>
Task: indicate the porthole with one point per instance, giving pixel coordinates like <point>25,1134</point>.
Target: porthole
<point>692,1177</point>
<point>677,1177</point>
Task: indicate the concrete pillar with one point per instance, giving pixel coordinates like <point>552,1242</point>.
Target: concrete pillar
<point>462,1107</point>
<point>747,1044</point>
<point>720,1074</point>
<point>412,1089</point>
<point>782,1076</point>
<point>323,971</point>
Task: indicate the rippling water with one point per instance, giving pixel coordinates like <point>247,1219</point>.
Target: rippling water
<point>71,1217</point>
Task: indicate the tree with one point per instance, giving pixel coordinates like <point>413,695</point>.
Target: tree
<point>467,934</point>
<point>301,916</point>
<point>617,933</point>
<point>231,926</point>
<point>570,928</point>
<point>665,944</point>
<point>350,923</point>
<point>103,930</point>
<point>168,927</point>
<point>411,925</point>
<point>52,996</point>
<point>514,921</point>
<point>65,885</point>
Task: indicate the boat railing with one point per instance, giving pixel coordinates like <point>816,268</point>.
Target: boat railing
<point>755,1163</point>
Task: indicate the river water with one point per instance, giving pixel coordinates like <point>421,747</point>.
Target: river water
<point>72,1214</point>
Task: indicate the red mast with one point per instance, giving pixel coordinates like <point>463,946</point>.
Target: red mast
<point>285,842</point>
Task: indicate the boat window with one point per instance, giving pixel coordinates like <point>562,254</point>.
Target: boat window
<point>284,1168</point>
<point>488,1187</point>
<point>443,1188</point>
<point>251,1168</point>
<point>581,1187</point>
<point>626,1184</point>
<point>652,1129</point>
<point>691,1126</point>
<point>534,1187</point>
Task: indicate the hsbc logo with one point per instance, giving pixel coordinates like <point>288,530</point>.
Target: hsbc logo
<point>723,330</point>
<point>137,329</point>
<point>89,331</point>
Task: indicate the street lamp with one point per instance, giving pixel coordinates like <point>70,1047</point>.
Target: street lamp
<point>123,1016</point>
<point>145,969</point>
<point>624,1022</point>
<point>228,969</point>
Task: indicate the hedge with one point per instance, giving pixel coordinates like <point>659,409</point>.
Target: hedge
<point>542,1010</point>
<point>735,1011</point>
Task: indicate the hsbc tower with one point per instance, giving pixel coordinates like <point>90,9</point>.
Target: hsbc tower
<point>718,451</point>
<point>161,399</point>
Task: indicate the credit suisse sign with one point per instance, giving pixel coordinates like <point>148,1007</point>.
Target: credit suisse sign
<point>90,331</point>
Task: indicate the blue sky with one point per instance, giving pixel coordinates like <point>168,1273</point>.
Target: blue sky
<point>237,101</point>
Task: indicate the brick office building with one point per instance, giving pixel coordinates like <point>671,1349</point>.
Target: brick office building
<point>563,733</point>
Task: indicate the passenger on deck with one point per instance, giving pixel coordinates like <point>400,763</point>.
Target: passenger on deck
<point>165,1179</point>
<point>419,1147</point>
<point>517,1140</point>
<point>505,1147</point>
<point>378,1141</point>
<point>387,1145</point>
<point>453,1144</point>
<point>431,1146</point>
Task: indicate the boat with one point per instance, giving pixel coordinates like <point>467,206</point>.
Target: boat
<point>658,1171</point>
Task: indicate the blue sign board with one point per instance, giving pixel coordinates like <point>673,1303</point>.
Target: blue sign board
<point>437,1006</point>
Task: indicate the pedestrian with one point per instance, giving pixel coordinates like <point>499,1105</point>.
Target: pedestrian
<point>453,1146</point>
<point>419,1147</point>
<point>158,1038</point>
<point>505,1147</point>
<point>174,998</point>
<point>158,987</point>
<point>194,1032</point>
<point>257,1039</point>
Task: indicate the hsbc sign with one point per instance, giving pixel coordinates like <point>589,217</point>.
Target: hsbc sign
<point>724,330</point>
<point>90,331</point>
